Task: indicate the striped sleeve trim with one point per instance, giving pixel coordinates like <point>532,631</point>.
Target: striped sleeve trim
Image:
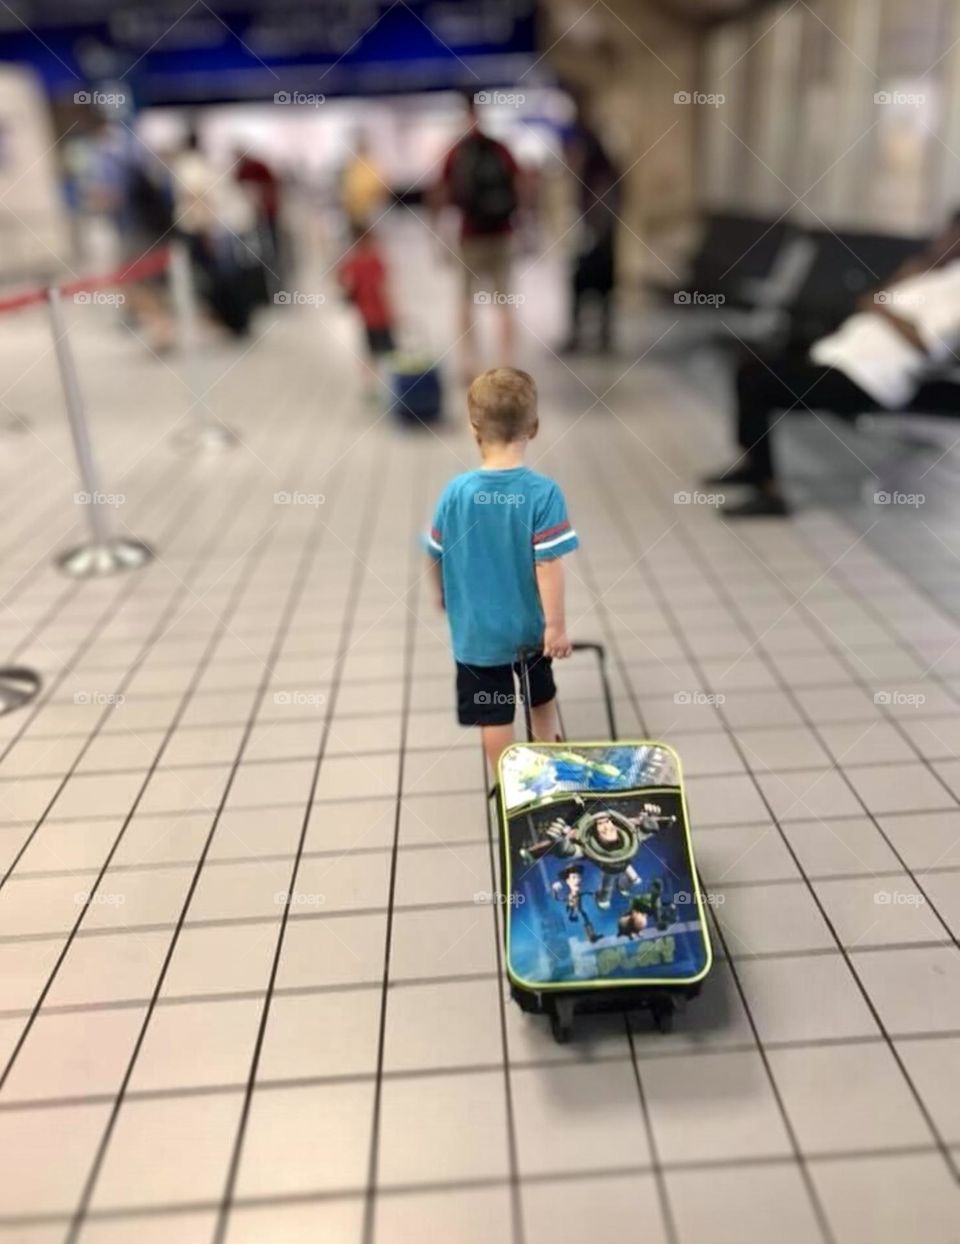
<point>542,545</point>
<point>433,540</point>
<point>540,536</point>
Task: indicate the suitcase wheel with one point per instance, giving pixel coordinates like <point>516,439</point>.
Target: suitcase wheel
<point>663,1011</point>
<point>561,1032</point>
<point>561,1021</point>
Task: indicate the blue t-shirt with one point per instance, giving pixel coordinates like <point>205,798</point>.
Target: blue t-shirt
<point>489,529</point>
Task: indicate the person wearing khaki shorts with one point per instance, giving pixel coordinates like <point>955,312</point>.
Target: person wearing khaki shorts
<point>480,177</point>
<point>486,266</point>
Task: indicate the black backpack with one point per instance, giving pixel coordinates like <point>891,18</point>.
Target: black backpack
<point>482,184</point>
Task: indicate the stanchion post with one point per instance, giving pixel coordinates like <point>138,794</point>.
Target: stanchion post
<point>106,553</point>
<point>18,686</point>
<point>207,431</point>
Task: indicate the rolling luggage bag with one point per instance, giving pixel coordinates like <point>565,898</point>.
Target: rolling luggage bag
<point>604,910</point>
<point>416,392</point>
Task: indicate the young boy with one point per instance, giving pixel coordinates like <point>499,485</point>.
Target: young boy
<point>363,278</point>
<point>498,536</point>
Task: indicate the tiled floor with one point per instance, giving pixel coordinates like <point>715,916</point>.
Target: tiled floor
<point>248,990</point>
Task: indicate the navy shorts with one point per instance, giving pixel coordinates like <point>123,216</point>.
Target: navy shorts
<point>487,694</point>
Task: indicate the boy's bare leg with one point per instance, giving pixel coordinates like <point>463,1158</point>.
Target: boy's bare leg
<point>507,328</point>
<point>546,722</point>
<point>495,739</point>
<point>468,346</point>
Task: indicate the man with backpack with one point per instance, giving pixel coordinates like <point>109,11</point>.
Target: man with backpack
<point>481,179</point>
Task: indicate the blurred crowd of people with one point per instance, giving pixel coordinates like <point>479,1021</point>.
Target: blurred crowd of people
<point>230,216</point>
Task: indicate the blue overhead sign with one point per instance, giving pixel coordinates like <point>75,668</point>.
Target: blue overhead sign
<point>175,51</point>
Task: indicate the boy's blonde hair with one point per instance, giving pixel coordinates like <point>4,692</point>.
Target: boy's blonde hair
<point>503,405</point>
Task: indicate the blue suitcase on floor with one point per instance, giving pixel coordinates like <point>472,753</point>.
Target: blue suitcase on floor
<point>416,391</point>
<point>603,906</point>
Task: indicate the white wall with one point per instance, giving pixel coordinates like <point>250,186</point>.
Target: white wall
<point>844,113</point>
<point>33,230</point>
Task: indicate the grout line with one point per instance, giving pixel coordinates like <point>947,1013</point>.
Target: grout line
<point>655,1051</point>
<point>365,539</point>
<point>560,1177</point>
<point>254,558</point>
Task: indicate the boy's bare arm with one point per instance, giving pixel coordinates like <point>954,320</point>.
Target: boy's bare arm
<point>550,586</point>
<point>436,578</point>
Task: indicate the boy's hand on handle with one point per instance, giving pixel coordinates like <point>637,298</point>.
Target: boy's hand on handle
<point>555,642</point>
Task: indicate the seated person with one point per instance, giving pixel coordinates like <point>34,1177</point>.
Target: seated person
<point>883,358</point>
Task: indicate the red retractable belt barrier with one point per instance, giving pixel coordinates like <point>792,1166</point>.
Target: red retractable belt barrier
<point>149,265</point>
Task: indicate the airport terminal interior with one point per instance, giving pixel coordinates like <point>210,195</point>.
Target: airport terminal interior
<point>255,973</point>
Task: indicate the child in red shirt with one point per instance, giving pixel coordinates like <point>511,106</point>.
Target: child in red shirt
<point>363,277</point>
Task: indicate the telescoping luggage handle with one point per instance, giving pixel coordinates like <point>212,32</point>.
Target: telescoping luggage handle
<point>601,654</point>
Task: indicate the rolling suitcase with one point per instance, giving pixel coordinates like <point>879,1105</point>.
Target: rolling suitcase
<point>604,910</point>
<point>416,393</point>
